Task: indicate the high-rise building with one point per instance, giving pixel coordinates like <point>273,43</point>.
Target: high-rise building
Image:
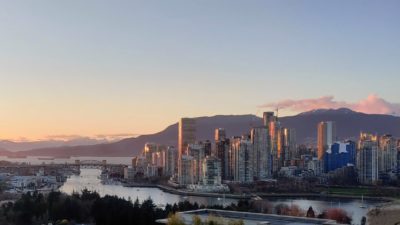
<point>340,154</point>
<point>207,146</point>
<point>149,149</point>
<point>289,146</point>
<point>242,159</point>
<point>275,134</point>
<point>211,174</point>
<point>387,154</point>
<point>222,153</point>
<point>197,151</point>
<point>220,134</point>
<point>326,137</point>
<point>186,135</point>
<point>268,117</point>
<point>187,165</point>
<point>171,156</point>
<point>261,141</point>
<point>367,159</point>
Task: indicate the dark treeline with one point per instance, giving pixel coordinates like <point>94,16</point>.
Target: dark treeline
<point>88,207</point>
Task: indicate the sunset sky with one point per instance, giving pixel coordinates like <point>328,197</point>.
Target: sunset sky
<point>125,67</point>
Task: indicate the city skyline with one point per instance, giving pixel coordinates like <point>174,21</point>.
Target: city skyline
<point>87,68</point>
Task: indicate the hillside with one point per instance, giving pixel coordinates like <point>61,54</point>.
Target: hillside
<point>349,125</point>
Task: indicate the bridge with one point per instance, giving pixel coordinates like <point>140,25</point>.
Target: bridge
<point>91,163</point>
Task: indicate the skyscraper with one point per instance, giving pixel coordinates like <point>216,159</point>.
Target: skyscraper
<point>222,153</point>
<point>287,148</point>
<point>186,135</point>
<point>242,159</point>
<point>326,137</point>
<point>340,155</point>
<point>367,159</point>
<point>261,141</point>
<point>211,174</point>
<point>197,151</point>
<point>268,117</point>
<point>387,154</point>
<point>220,134</point>
<point>171,161</point>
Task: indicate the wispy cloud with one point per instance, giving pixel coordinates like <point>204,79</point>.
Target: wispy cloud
<point>373,104</point>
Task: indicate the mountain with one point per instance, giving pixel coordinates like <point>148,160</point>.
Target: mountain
<point>349,125</point>
<point>14,146</point>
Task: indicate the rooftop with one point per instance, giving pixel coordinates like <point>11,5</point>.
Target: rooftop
<point>249,218</point>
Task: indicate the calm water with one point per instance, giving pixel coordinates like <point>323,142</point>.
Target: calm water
<point>33,160</point>
<point>89,179</point>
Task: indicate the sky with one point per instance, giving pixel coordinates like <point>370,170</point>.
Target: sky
<point>120,68</point>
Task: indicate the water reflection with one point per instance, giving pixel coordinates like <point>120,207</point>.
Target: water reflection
<point>88,179</point>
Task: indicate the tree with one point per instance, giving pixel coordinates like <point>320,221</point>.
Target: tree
<point>175,219</point>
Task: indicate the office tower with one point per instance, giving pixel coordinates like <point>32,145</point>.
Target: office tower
<point>261,141</point>
<point>367,159</point>
<point>158,159</point>
<point>186,176</point>
<point>268,117</point>
<point>187,134</point>
<point>387,154</point>
<point>326,137</point>
<point>275,134</point>
<point>197,151</point>
<point>340,154</point>
<point>220,134</point>
<point>211,174</point>
<point>289,144</point>
<point>242,159</point>
<point>149,149</point>
<point>222,153</point>
<point>171,156</point>
<point>207,146</point>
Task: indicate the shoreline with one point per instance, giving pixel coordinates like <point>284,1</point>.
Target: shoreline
<point>262,195</point>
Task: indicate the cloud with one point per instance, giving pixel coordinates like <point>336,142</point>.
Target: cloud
<point>373,104</point>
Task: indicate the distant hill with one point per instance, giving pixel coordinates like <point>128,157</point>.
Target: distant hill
<point>349,125</point>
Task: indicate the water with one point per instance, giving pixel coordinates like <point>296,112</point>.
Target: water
<point>88,179</point>
<point>34,160</point>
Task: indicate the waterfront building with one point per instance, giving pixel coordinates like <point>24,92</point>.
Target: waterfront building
<point>340,154</point>
<point>197,151</point>
<point>387,154</point>
<point>367,159</point>
<point>261,152</point>
<point>171,156</point>
<point>187,164</point>
<point>211,174</point>
<point>129,173</point>
<point>242,159</point>
<point>326,137</point>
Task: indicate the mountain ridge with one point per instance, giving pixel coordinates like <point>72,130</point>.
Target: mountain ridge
<point>349,125</point>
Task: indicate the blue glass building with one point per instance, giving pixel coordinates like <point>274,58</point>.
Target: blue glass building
<point>340,155</point>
